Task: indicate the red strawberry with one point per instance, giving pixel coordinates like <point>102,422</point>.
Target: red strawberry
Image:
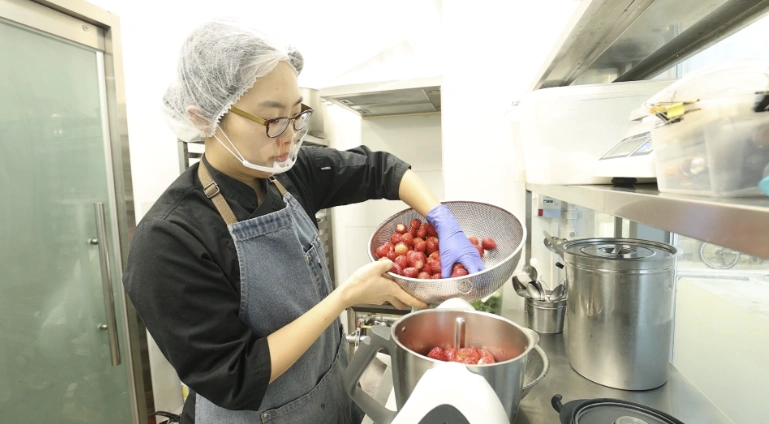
<point>450,353</point>
<point>408,240</point>
<point>382,251</point>
<point>401,249</point>
<point>420,246</point>
<point>436,255</point>
<point>402,261</point>
<point>401,229</point>
<point>423,276</point>
<point>430,247</point>
<point>410,272</point>
<point>437,353</point>
<point>413,232</point>
<point>396,269</point>
<point>473,240</point>
<point>391,255</point>
<point>416,262</point>
<point>395,238</point>
<point>488,243</point>
<point>422,232</point>
<point>436,267</point>
<point>436,276</point>
<point>430,230</point>
<point>459,272</point>
<point>415,223</point>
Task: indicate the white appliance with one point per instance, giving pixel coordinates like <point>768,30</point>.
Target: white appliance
<point>565,131</point>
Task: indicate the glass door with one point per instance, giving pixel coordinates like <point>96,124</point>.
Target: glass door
<point>60,336</point>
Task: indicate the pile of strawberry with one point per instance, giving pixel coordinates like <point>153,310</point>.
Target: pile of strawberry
<point>415,253</point>
<point>465,355</point>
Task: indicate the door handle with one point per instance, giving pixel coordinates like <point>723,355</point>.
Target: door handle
<point>106,282</point>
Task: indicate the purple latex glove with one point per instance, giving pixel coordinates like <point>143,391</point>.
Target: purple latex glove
<point>454,245</point>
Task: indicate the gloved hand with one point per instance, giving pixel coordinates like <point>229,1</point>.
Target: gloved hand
<point>454,245</point>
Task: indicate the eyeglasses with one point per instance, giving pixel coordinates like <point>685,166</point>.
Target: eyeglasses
<point>276,127</point>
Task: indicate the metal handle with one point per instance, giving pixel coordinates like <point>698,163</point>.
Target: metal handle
<point>380,339</point>
<point>106,281</point>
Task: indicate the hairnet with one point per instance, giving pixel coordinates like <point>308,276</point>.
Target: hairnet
<point>218,63</point>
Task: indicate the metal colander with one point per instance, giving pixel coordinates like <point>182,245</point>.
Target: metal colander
<point>476,219</point>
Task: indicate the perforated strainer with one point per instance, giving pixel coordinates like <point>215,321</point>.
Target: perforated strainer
<point>476,219</point>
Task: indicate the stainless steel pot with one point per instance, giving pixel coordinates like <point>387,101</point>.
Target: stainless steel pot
<point>619,309</point>
<point>413,336</point>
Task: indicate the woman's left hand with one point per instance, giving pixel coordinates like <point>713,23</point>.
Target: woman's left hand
<point>455,247</point>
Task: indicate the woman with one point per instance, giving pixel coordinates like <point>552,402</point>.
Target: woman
<point>226,270</point>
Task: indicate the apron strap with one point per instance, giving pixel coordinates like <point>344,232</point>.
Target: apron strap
<point>211,189</point>
<point>279,186</point>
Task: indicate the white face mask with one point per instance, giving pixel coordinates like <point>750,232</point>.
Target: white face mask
<point>278,166</point>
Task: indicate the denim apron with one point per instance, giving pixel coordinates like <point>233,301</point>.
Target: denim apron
<point>282,276</point>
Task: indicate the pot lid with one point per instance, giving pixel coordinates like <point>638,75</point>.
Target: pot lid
<point>606,411</point>
<point>620,253</point>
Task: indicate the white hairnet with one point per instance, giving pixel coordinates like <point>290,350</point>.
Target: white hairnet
<point>218,63</point>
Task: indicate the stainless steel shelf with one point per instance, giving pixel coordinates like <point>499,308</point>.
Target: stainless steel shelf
<point>607,39</point>
<point>737,223</point>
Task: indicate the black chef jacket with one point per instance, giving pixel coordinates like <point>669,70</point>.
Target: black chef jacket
<point>183,276</point>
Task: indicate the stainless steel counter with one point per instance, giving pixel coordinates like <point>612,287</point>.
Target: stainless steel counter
<point>678,397</point>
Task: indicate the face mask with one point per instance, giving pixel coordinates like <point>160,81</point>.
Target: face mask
<point>278,166</point>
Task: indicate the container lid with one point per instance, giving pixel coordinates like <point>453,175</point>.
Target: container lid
<point>620,254</point>
<point>712,82</point>
<point>614,411</point>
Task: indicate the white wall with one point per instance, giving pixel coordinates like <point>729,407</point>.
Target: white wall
<point>492,51</point>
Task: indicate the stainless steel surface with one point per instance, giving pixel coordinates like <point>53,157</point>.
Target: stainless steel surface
<point>617,227</point>
<point>531,271</point>
<point>418,332</point>
<point>477,218</point>
<point>634,40</point>
<point>678,397</point>
<point>44,19</point>
<point>559,292</point>
<point>459,333</point>
<point>534,290</point>
<point>620,309</point>
<point>601,22</point>
<point>518,284</point>
<point>724,21</point>
<point>81,22</point>
<point>103,327</point>
<point>545,317</point>
<point>741,221</point>
<point>106,280</point>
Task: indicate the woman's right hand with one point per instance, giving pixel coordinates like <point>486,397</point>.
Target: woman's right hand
<point>369,285</point>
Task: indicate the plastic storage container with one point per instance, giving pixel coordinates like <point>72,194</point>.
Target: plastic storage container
<point>715,141</point>
<point>565,130</point>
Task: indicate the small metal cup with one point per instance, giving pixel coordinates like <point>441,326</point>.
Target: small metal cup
<point>545,317</point>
